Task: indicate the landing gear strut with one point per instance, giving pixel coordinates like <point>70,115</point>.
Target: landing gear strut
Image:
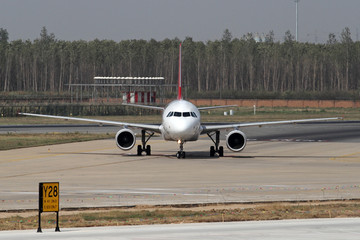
<point>144,148</point>
<point>181,153</point>
<point>216,148</point>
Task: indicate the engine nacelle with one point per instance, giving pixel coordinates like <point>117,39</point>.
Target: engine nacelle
<point>236,141</point>
<point>125,139</point>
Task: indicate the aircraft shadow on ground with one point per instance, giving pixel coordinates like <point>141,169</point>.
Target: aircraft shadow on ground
<point>192,155</point>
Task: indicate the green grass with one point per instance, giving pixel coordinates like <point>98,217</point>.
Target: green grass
<point>14,141</point>
<point>279,113</point>
<point>22,120</point>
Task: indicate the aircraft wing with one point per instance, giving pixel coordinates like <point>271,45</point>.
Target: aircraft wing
<point>143,106</point>
<point>213,107</point>
<point>151,127</point>
<point>211,128</point>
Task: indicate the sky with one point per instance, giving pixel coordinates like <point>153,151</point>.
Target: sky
<point>203,20</point>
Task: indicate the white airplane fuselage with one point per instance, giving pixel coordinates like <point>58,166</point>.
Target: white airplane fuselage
<point>181,122</point>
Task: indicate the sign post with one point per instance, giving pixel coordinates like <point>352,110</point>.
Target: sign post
<point>49,201</point>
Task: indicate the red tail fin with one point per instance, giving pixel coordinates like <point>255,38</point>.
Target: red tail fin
<point>179,81</point>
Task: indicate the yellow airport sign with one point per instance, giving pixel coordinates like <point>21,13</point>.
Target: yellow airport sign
<point>49,197</point>
<point>49,201</point>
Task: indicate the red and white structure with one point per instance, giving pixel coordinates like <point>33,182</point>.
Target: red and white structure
<point>137,89</point>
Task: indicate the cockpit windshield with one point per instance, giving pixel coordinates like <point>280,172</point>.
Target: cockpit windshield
<point>181,114</point>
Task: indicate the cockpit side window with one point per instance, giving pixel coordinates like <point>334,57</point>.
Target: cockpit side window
<point>193,114</point>
<point>170,114</point>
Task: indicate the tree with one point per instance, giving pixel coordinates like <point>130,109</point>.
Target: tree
<point>228,67</point>
<point>347,48</point>
<point>227,36</point>
<point>270,37</point>
<point>4,37</point>
<point>345,36</point>
<point>332,39</point>
<point>288,37</point>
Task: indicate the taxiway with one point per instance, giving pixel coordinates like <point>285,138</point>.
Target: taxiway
<point>316,164</point>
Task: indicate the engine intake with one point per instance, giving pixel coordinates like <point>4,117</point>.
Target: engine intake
<point>236,141</point>
<point>125,139</point>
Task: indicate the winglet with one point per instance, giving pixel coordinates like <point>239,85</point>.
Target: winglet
<point>179,97</point>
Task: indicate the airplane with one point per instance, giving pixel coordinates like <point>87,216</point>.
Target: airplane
<point>181,122</point>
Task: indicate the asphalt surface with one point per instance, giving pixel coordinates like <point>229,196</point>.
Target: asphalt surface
<point>320,229</point>
<point>343,131</point>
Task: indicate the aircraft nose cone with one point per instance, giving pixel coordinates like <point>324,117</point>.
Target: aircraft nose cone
<point>184,130</point>
<point>181,127</point>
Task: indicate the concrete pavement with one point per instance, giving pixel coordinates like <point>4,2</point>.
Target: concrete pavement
<point>320,229</point>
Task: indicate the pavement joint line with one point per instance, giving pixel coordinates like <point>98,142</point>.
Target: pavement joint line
<point>73,168</point>
<point>50,155</point>
<point>59,154</point>
<point>347,157</point>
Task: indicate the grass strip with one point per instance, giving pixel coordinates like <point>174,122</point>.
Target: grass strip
<point>14,140</point>
<point>158,215</point>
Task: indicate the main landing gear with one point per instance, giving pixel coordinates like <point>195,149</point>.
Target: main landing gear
<point>213,149</point>
<point>216,148</point>
<point>144,148</point>
<point>181,153</point>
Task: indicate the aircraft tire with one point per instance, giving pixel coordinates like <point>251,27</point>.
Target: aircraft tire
<point>180,154</point>
<point>212,151</point>
<point>148,150</point>
<point>139,150</point>
<point>221,151</point>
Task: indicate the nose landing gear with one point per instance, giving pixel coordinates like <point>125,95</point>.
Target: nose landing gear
<point>181,153</point>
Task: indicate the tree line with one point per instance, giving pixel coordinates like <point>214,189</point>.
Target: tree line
<point>225,65</point>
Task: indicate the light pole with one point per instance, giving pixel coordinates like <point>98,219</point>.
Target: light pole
<point>297,19</point>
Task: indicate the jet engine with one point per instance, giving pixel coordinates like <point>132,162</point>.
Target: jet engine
<point>125,139</point>
<point>236,141</point>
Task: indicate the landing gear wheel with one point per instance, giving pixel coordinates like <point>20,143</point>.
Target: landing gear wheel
<point>180,154</point>
<point>148,150</point>
<point>139,150</point>
<point>221,151</point>
<point>212,151</point>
